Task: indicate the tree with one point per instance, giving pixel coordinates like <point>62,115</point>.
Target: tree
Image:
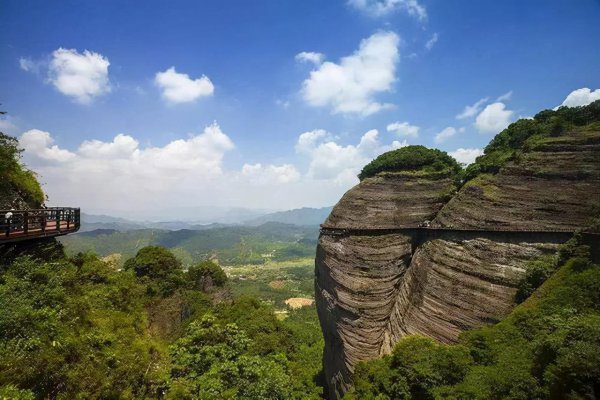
<point>204,275</point>
<point>158,268</point>
<point>411,158</point>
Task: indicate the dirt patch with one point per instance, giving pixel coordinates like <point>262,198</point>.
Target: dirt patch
<point>277,284</point>
<point>297,302</point>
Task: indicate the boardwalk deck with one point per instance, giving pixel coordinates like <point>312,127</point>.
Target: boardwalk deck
<point>17,225</point>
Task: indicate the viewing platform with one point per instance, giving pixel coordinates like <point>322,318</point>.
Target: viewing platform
<point>17,225</point>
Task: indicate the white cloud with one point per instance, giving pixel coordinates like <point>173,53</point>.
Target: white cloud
<point>445,134</point>
<point>378,8</point>
<point>494,118</point>
<point>403,129</point>
<point>349,87</point>
<point>471,111</point>
<point>338,163</point>
<point>505,97</point>
<point>278,174</point>
<point>120,172</point>
<point>6,125</point>
<point>123,175</point>
<point>431,42</point>
<point>180,88</point>
<point>81,76</point>
<point>310,56</point>
<point>27,64</point>
<point>466,156</point>
<point>581,97</point>
<point>39,143</point>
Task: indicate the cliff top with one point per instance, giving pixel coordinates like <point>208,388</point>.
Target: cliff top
<point>412,159</point>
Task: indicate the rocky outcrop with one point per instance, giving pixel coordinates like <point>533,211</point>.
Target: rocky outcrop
<point>374,288</point>
<point>551,186</point>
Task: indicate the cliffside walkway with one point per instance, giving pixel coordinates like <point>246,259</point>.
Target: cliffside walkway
<point>17,225</point>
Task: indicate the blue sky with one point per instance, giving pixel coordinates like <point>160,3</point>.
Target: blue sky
<point>404,68</point>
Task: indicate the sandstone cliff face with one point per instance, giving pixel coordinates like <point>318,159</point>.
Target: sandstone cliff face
<point>374,288</point>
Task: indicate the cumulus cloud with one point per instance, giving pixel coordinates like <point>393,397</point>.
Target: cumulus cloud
<point>338,163</point>
<point>403,129</point>
<point>180,88</point>
<point>445,134</point>
<point>81,76</point>
<point>310,56</point>
<point>107,173</point>
<point>378,8</point>
<point>268,174</point>
<point>581,97</point>
<point>350,85</point>
<point>472,110</point>
<point>466,156</point>
<point>431,42</point>
<point>39,143</point>
<point>494,118</point>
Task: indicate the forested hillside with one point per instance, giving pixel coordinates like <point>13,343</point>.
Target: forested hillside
<point>230,245</point>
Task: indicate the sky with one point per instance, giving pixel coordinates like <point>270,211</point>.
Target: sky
<point>126,106</point>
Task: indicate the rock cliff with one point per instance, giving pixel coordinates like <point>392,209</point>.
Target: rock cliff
<point>373,287</point>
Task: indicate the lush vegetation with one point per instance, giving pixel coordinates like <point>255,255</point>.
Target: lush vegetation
<point>548,347</point>
<point>413,159</point>
<point>526,134</point>
<point>234,245</point>
<point>78,328</point>
<point>18,184</point>
<point>275,281</point>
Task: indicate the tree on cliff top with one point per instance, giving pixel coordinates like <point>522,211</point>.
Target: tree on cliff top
<point>525,134</point>
<point>17,183</point>
<point>411,158</point>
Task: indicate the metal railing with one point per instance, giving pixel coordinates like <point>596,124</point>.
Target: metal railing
<point>27,224</point>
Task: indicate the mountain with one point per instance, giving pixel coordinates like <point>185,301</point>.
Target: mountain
<point>302,216</point>
<point>375,287</point>
<point>230,244</point>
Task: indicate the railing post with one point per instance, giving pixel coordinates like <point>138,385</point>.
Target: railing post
<point>26,222</point>
<point>68,219</point>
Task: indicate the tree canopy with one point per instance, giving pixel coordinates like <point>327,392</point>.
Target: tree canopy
<point>526,133</point>
<point>17,183</point>
<point>411,158</point>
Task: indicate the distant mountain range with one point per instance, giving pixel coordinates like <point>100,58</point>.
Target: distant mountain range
<point>300,217</point>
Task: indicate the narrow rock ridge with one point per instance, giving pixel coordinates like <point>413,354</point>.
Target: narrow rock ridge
<point>373,290</point>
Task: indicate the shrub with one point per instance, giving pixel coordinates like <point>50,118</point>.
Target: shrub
<point>411,158</point>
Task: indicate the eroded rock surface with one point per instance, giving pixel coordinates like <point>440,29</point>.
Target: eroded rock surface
<point>372,289</point>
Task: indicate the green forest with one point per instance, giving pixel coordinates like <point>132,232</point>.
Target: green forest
<point>73,327</point>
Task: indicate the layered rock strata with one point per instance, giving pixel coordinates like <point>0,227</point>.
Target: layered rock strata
<point>372,289</point>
